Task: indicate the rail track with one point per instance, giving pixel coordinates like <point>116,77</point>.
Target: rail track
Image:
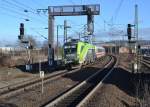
<point>79,94</point>
<point>142,81</point>
<point>145,61</point>
<point>10,93</point>
<point>13,89</point>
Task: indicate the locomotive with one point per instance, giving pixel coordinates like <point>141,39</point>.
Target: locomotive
<point>80,53</point>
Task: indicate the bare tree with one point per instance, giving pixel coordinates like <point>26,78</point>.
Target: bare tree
<point>45,47</point>
<point>45,44</point>
<point>30,39</point>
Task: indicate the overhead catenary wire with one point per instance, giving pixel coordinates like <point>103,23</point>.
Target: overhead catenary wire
<point>21,15</point>
<point>15,5</point>
<point>12,16</point>
<point>113,19</point>
<point>19,12</point>
<point>26,6</point>
<point>74,23</point>
<point>114,16</point>
<point>118,9</point>
<point>10,3</point>
<point>37,3</point>
<point>72,2</point>
<point>19,7</point>
<point>13,11</point>
<point>39,34</point>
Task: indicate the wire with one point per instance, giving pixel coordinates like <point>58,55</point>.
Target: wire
<point>39,34</point>
<point>72,2</point>
<point>33,11</point>
<point>21,14</point>
<point>17,4</point>
<point>14,11</point>
<point>117,11</point>
<point>13,16</point>
<point>74,23</point>
<point>26,6</point>
<point>10,3</point>
<point>37,3</point>
<point>112,29</point>
<point>81,1</point>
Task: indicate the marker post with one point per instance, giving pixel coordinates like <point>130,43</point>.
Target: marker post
<point>42,78</point>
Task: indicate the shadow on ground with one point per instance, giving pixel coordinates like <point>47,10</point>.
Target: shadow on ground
<point>81,74</point>
<point>121,78</point>
<point>44,67</point>
<point>7,105</point>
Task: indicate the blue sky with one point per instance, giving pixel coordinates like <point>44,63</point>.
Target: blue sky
<point>12,13</point>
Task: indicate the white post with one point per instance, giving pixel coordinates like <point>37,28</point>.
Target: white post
<point>39,61</point>
<point>42,78</point>
<point>42,87</point>
<point>57,41</point>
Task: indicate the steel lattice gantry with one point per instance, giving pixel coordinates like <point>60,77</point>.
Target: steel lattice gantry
<point>70,10</point>
<point>74,10</point>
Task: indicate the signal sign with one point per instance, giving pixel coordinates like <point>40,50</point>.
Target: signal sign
<point>129,32</point>
<point>41,74</point>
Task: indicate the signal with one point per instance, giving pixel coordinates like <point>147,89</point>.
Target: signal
<point>139,46</point>
<point>21,31</point>
<point>129,32</point>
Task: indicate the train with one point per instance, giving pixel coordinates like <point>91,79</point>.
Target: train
<point>145,51</point>
<point>81,53</point>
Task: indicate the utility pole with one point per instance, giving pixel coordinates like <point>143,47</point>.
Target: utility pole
<point>136,35</point>
<point>89,10</point>
<point>58,26</point>
<point>51,40</point>
<point>57,42</point>
<point>65,30</point>
<point>104,25</point>
<point>29,56</point>
<point>79,36</point>
<point>39,60</point>
<point>136,24</point>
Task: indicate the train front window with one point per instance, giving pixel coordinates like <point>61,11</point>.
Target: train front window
<point>70,49</point>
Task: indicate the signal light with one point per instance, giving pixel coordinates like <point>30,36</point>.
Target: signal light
<point>129,32</point>
<point>49,45</point>
<point>139,46</point>
<point>21,29</point>
<point>19,37</point>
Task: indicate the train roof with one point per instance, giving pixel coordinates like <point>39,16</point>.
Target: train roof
<point>76,41</point>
